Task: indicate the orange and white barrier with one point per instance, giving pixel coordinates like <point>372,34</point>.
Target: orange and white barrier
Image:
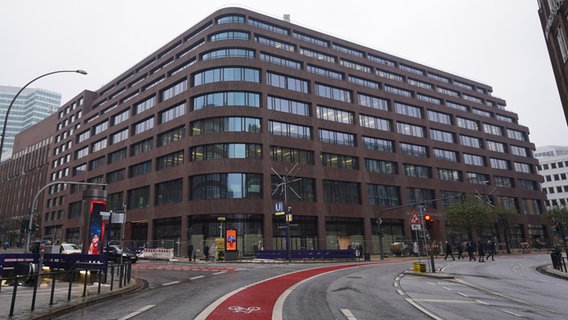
<point>157,254</point>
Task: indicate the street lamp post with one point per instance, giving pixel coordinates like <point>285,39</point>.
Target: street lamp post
<point>36,197</point>
<point>16,96</point>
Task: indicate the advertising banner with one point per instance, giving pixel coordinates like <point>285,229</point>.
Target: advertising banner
<point>231,239</point>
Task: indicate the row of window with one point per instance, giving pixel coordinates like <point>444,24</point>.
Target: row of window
<point>249,186</point>
<point>344,49</point>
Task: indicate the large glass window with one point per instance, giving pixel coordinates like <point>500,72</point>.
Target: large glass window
<point>228,53</point>
<point>415,195</point>
<point>287,82</point>
<point>116,156</point>
<point>332,93</point>
<point>449,174</point>
<point>373,102</point>
<point>144,105</point>
<point>383,195</point>
<point>441,154</point>
<point>290,130</point>
<point>341,192</point>
<point>410,129</point>
<point>226,151</point>
<point>413,150</point>
<point>226,186</point>
<point>141,147</point>
<point>173,135</point>
<point>333,160</point>
<point>170,160</point>
<point>378,144</point>
<point>281,61</point>
<point>140,169</point>
<point>267,26</point>
<point>408,110</point>
<point>225,124</point>
<point>439,117</point>
<point>375,123</point>
<point>143,125</point>
<point>287,154</point>
<point>138,198</point>
<point>468,124</point>
<point>173,90</point>
<point>172,113</point>
<point>325,72</point>
<point>225,99</point>
<point>317,55</point>
<point>381,166</point>
<point>275,43</point>
<point>304,187</point>
<point>288,106</point>
<point>336,137</point>
<point>473,159</point>
<point>228,35</point>
<point>443,136</point>
<point>115,176</point>
<point>333,114</point>
<point>169,192</point>
<point>241,74</point>
<point>414,170</point>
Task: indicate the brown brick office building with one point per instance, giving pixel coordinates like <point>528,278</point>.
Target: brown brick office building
<point>553,17</point>
<point>197,130</point>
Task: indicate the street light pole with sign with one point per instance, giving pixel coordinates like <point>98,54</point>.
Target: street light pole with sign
<point>283,186</point>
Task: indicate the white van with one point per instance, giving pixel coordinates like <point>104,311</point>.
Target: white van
<point>64,248</point>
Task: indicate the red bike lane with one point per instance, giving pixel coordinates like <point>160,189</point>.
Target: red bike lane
<point>257,301</point>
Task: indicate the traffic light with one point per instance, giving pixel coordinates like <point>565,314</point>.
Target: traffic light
<point>428,221</point>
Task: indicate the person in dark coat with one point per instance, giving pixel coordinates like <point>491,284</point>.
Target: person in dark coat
<point>206,252</point>
<point>481,251</point>
<point>470,251</point>
<point>459,248</point>
<point>490,250</point>
<point>449,251</point>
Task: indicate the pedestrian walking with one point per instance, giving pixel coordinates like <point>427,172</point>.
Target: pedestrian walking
<point>459,248</point>
<point>470,251</point>
<point>449,251</point>
<point>213,252</point>
<point>490,250</point>
<point>190,253</point>
<point>480,251</point>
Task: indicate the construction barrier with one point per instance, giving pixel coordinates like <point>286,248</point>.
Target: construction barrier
<point>157,254</point>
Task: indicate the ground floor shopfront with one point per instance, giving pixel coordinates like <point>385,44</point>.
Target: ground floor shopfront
<point>258,231</point>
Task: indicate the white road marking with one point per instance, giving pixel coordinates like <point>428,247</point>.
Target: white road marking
<point>419,307</point>
<point>511,313</point>
<point>347,313</point>
<point>218,273</point>
<point>485,303</point>
<point>463,294</point>
<point>400,292</point>
<point>170,283</point>
<point>137,312</point>
<point>196,277</point>
<point>450,289</point>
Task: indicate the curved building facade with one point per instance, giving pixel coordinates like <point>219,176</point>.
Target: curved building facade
<point>211,124</point>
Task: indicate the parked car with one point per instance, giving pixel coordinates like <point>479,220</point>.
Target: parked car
<point>64,248</point>
<point>114,252</point>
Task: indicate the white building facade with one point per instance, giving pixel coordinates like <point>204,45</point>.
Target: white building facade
<point>553,166</point>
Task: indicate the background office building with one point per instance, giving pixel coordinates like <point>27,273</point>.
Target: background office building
<point>31,107</point>
<point>205,127</point>
<point>553,166</point>
<point>554,20</point>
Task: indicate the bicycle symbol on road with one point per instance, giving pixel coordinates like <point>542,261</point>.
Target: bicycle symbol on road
<point>238,309</point>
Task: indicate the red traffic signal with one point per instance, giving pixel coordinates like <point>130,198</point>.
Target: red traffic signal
<point>427,218</point>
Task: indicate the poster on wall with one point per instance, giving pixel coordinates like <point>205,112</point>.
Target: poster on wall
<point>96,227</point>
<point>231,239</point>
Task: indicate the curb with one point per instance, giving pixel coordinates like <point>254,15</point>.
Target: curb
<point>437,275</point>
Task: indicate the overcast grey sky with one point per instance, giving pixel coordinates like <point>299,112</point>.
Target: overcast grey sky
<point>496,42</point>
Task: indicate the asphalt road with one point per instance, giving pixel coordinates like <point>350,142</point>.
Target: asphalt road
<point>509,288</point>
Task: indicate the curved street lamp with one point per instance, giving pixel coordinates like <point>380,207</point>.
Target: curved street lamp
<point>16,96</point>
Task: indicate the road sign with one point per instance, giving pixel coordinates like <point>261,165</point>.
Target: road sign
<point>278,209</point>
<point>415,219</point>
<point>417,227</point>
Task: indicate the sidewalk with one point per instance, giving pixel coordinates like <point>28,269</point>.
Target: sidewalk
<point>44,310</point>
